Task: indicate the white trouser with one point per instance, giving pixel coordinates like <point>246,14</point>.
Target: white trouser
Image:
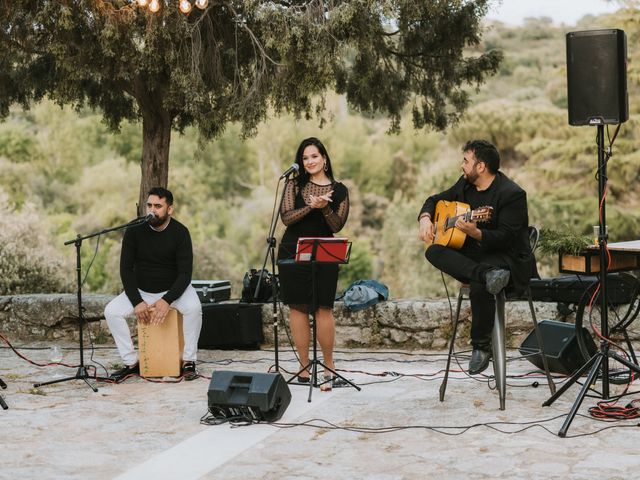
<point>120,307</point>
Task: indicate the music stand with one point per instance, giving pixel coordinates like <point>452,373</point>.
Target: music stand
<point>82,373</point>
<point>3,404</point>
<point>600,360</point>
<point>316,250</point>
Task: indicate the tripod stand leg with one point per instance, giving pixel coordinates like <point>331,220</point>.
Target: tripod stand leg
<point>625,362</point>
<point>583,391</point>
<point>3,404</point>
<point>81,374</point>
<point>574,378</point>
<point>341,377</point>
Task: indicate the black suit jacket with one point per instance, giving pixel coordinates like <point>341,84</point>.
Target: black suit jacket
<point>507,232</point>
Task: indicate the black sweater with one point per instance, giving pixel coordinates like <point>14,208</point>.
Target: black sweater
<point>156,261</point>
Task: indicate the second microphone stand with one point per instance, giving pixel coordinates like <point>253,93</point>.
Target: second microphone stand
<point>82,372</point>
<point>271,247</point>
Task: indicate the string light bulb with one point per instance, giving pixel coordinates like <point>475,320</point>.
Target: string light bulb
<point>154,5</point>
<point>185,6</point>
<point>143,3</point>
<point>202,4</point>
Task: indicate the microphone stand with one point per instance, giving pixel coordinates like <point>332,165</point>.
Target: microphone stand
<point>82,373</point>
<point>271,245</point>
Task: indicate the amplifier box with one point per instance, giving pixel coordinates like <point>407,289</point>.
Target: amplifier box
<point>211,291</point>
<point>231,325</point>
<point>571,288</point>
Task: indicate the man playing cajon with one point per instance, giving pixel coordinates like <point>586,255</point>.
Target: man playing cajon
<point>155,267</point>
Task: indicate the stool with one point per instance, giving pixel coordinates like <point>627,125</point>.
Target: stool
<point>498,344</point>
<point>160,346</point>
<point>498,334</point>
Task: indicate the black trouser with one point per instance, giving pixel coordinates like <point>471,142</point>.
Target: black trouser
<point>470,267</point>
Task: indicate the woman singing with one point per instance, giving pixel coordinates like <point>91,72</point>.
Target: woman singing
<point>314,205</point>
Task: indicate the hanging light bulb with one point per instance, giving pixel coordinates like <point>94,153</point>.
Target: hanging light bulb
<point>143,3</point>
<point>185,6</point>
<point>202,4</point>
<point>154,5</point>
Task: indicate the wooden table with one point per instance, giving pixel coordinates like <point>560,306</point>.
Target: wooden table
<point>625,256</point>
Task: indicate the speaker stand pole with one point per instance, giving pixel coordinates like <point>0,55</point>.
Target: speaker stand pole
<point>599,362</point>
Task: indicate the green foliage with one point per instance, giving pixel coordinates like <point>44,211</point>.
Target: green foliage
<point>28,262</point>
<point>236,63</point>
<point>555,242</point>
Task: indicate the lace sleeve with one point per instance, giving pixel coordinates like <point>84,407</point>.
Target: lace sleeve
<point>338,217</point>
<point>288,213</point>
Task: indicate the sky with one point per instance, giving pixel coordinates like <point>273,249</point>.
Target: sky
<point>513,12</point>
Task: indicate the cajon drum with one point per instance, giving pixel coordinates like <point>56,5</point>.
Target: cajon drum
<point>160,346</point>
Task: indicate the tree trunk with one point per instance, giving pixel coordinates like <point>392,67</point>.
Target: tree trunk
<point>154,166</point>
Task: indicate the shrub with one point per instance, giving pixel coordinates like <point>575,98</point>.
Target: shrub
<point>28,261</point>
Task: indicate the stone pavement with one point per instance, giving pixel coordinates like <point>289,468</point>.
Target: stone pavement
<point>141,430</point>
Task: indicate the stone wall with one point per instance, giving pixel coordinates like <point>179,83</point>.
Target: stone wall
<point>394,324</point>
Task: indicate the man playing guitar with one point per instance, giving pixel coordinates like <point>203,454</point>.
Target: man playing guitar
<point>495,253</point>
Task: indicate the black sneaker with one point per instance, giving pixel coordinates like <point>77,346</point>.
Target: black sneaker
<point>122,373</point>
<point>189,371</point>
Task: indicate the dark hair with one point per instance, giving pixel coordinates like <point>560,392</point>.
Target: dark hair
<point>484,152</point>
<point>303,176</point>
<point>162,193</point>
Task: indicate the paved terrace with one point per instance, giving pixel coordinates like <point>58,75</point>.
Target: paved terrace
<point>140,430</point>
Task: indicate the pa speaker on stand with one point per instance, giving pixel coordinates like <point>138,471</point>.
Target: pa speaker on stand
<point>597,77</point>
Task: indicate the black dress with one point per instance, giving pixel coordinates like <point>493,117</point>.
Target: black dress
<point>303,221</point>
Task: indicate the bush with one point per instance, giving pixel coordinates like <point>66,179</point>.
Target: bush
<point>28,261</point>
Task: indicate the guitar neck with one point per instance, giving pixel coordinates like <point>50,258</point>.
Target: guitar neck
<point>466,216</point>
<point>451,221</point>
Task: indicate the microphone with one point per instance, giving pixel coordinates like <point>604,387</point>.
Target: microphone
<point>293,168</point>
<point>145,218</point>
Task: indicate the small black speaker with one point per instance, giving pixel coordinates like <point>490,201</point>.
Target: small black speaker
<point>597,77</point>
<point>248,395</point>
<point>560,347</point>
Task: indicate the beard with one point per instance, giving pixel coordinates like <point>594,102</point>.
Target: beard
<point>471,177</point>
<point>157,221</point>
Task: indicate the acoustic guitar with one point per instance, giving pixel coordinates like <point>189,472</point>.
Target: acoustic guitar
<point>444,221</point>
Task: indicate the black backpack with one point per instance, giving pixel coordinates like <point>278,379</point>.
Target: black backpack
<point>250,282</point>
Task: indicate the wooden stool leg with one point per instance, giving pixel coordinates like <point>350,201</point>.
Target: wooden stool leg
<point>443,385</point>
<point>499,349</point>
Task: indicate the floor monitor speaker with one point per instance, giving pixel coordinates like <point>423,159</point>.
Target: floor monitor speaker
<point>597,77</point>
<point>560,347</point>
<point>248,395</point>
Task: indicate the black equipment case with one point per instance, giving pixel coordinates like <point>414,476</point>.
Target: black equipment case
<point>231,325</point>
<point>570,288</point>
<point>210,291</point>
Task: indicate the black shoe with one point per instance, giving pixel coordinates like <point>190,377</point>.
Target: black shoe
<point>496,279</point>
<point>189,371</point>
<point>479,361</point>
<point>124,372</point>
<point>301,379</point>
